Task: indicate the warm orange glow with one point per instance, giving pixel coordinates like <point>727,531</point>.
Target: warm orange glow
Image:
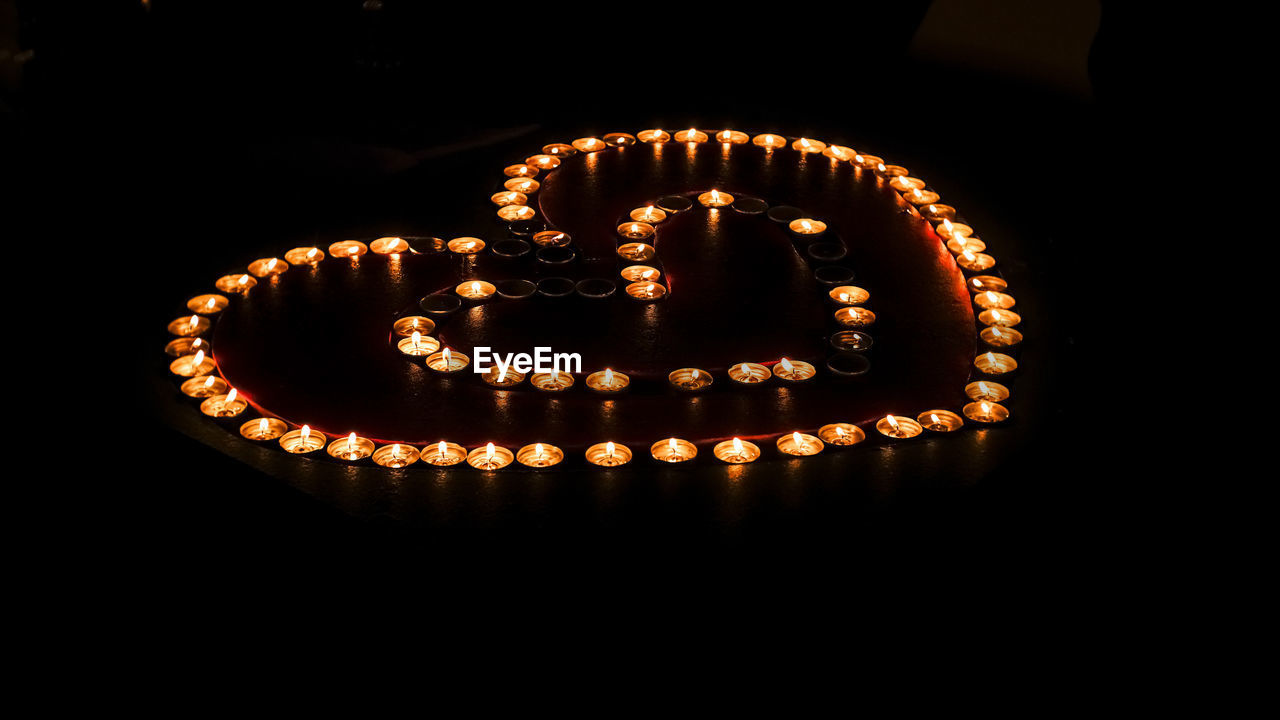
<point>839,432</point>
<point>893,422</point>
<point>608,449</point>
<point>199,358</point>
<point>786,365</point>
<point>312,253</point>
<point>715,198</point>
<point>933,417</point>
<point>244,280</point>
<point>447,356</point>
<point>351,440</point>
<point>502,372</point>
<point>737,446</point>
<point>195,321</point>
<point>440,448</point>
<point>306,433</point>
<point>968,255</point>
<point>263,426</point>
<point>537,450</point>
<point>209,383</point>
<point>694,374</point>
<point>608,376</point>
<point>986,408</point>
<point>795,438</point>
<point>416,338</point>
<point>671,443</point>
<point>488,452</point>
<point>992,297</point>
<point>272,265</point>
<point>475,288</point>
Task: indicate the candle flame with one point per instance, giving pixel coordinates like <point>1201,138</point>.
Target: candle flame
<point>694,374</point>
<point>213,302</point>
<point>447,357</point>
<point>646,274</point>
<point>977,282</point>
<point>805,142</point>
<point>440,448</point>
<point>996,331</point>
<point>839,432</point>
<point>933,417</point>
<point>995,315</point>
<point>417,338</point>
<point>271,265</point>
<point>263,426</point>
<point>537,450</point>
<point>351,440</point>
<point>857,157</point>
<point>990,357</point>
<point>488,452</point>
<point>196,343</point>
<point>806,225</point>
<point>983,387</point>
<point>475,288</point>
<point>671,443</point>
<point>946,223</point>
<point>312,252</point>
<point>992,297</point>
<point>916,192</point>
<point>244,280</point>
<point>715,196</point>
<point>231,397</point>
<point>195,322</point>
<point>968,255</point>
<point>608,449</point>
<point>395,449</point>
<point>986,408</point>
<point>608,376</point>
<point>881,167</point>
<point>893,421</point>
<point>306,432</point>
<point>737,446</point>
<point>844,297</point>
<point>199,358</point>
<point>795,438</point>
<point>786,365</point>
<point>209,383</point>
<point>933,209</point>
<point>555,376</point>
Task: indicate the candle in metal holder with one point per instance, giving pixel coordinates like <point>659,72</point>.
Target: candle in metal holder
<point>939,420</point>
<point>589,144</point>
<point>960,243</point>
<point>619,139</point>
<point>948,229</point>
<point>304,256</point>
<point>673,450</point>
<point>302,440</point>
<point>984,283</point>
<point>690,379</point>
<point>921,197</point>
<point>800,444</point>
<point>994,363</point>
<point>1002,318</point>
<point>208,304</point>
<point>793,370</point>
<point>389,246</point>
<point>267,267</point>
<point>192,365</point>
<point>520,170</point>
<point>849,295</point>
<point>991,299</point>
<point>733,137</point>
<point>263,429</point>
<point>636,230</point>
<point>417,345</point>
<point>898,426</point>
<point>736,451</point>
<point>490,457</point>
<point>692,135</point>
<point>935,212</point>
<point>466,245</point>
<point>646,290</point>
<point>351,448</point>
<point>190,326</point>
<point>608,454</point>
<point>509,197</point>
<point>867,162</point>
<point>985,412</point>
<point>543,161</point>
<point>636,252</point>
<point>502,377</point>
<point>551,238</point>
<point>411,324</point>
<point>608,381</point>
<point>653,136</point>
<point>839,152</point>
<point>648,214</point>
<point>447,361</point>
<point>769,141</point>
<point>348,249</point>
<point>841,434</point>
<point>999,337</point>
<point>513,213</point>
<point>236,283</point>
<point>203,386</point>
<point>715,199</point>
<point>229,405</point>
<point>986,390</point>
<point>806,145</point>
<point>444,454</point>
<point>851,341</point>
<point>902,183</point>
<point>554,381</point>
<point>396,455</point>
<point>640,273</point>
<point>539,455</point>
<point>808,227</point>
<point>748,373</point>
<point>855,317</point>
<point>180,346</point>
<point>559,149</point>
<point>475,290</point>
<point>522,185</point>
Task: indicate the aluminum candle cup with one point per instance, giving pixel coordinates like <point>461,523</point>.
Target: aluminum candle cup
<point>999,337</point>
<point>653,136</point>
<point>396,455</point>
<point>646,290</point>
<point>559,150</point>
<point>207,304</point>
<point>589,144</point>
<point>986,412</point>
<point>806,145</point>
<point>302,440</point>
<point>984,283</point>
<point>648,214</point>
<point>994,363</point>
<point>940,421</point>
<point>690,379</point>
<point>389,246</point>
<point>267,267</point>
<point>551,382</point>
<point>475,290</point>
<point>443,454</point>
<point>855,317</point>
<point>637,252</point>
<point>749,373</point>
<point>204,386</point>
<point>769,142</point>
<point>849,295</point>
<point>348,249</point>
<point>222,406</point>
<point>608,454</point>
<point>736,451</point>
<point>732,137</point>
<point>513,213</point>
<point>841,434</point>
<point>191,365</point>
<point>410,324</point>
<point>180,346</point>
<point>608,381</point>
<point>640,273</point>
<point>715,199</point>
<point>799,444</point>
<point>190,326</point>
<point>1001,318</point>
<point>447,361</point>
<point>673,450</point>
<point>309,256</point>
<point>490,457</point>
<point>898,426</point>
<point>987,390</point>
<point>539,455</point>
<point>619,139</point>
<point>636,230</point>
<point>692,135</point>
<point>351,448</point>
<point>502,378</point>
<point>807,228</point>
<point>465,245</point>
<point>793,370</point>
<point>417,345</point>
<point>263,429</point>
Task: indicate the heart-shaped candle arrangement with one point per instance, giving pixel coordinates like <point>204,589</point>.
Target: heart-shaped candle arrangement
<point>726,295</point>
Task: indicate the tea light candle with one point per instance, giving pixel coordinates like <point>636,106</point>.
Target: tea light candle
<point>793,370</point>
<point>690,379</point>
<point>180,346</point>
<point>985,412</point>
<point>551,238</point>
<point>799,444</point>
<point>983,283</point>
<point>1002,318</point>
<point>736,451</point>
<point>986,390</point>
<point>619,139</point>
<point>648,214</point>
<point>636,230</point>
<point>589,144</point>
<point>396,455</point>
<point>411,324</point>
<point>304,256</point>
<point>204,386</point>
<point>851,341</point>
<point>748,373</point>
<point>207,304</point>
<point>769,142</point>
<point>994,363</point>
<point>948,229</point>
<point>189,326</point>
<point>559,149</point>
<point>554,381</point>
<point>302,440</point>
<point>263,429</point>
<point>960,243</point>
<point>348,249</point>
<point>855,317</point>
<point>805,145</point>
<point>1000,337</point>
<point>608,454</point>
<point>509,197</point>
<point>476,290</point>
<point>389,246</point>
<point>732,137</point>
<point>636,252</point>
<point>502,377</point>
<point>673,450</point>
<point>807,227</point>
<point>520,170</point>
<point>266,267</point>
<point>692,135</point>
<point>839,152</point>
<point>970,260</point>
<point>444,454</point>
<point>228,405</point>
<point>238,283</point>
<point>867,162</point>
<point>351,448</point>
<point>417,345</point>
<point>937,211</point>
<point>513,213</point>
<point>849,295</point>
<point>921,197</point>
<point>192,365</point>
<point>646,291</point>
<point>891,171</point>
<point>898,426</point>
<point>522,185</point>
<point>543,161</point>
<point>841,434</point>
<point>992,300</point>
<point>653,136</point>
<point>902,183</point>
<point>539,455</point>
<point>608,381</point>
<point>715,199</point>
<point>940,421</point>
<point>447,361</point>
<point>465,245</point>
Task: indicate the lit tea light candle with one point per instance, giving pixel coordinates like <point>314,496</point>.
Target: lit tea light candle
<point>502,377</point>
<point>608,381</point>
<point>204,386</point>
<point>619,139</point>
<point>1002,318</point>
<point>793,370</point>
<point>948,229</point>
<point>522,185</point>
<point>994,363</point>
<point>411,324</point>
<point>559,149</point>
<point>447,361</point>
<point>348,249</point>
<point>939,421</point>
<point>983,283</point>
<point>554,381</point>
<point>841,434</point>
<point>520,170</point>
<point>653,136</point>
<point>732,137</point>
<point>673,450</point>
<point>396,455</point>
<point>509,197</point>
<point>839,152</point>
<point>715,199</point>
<point>640,273</point>
<point>539,455</point>
<point>648,214</point>
<point>636,252</point>
<point>808,227</point>
<point>475,289</point>
<point>490,457</point>
<point>444,454</point>
<point>855,317</point>
<point>769,141</point>
<point>937,211</point>
<point>238,283</point>
<point>867,162</point>
<point>636,230</point>
<point>192,365</point>
<point>736,451</point>
<point>849,295</point>
<point>207,304</point>
<point>892,171</point>
<point>351,448</point>
<point>389,246</point>
<point>1000,337</point>
<point>921,197</point>
<point>975,261</point>
<point>960,243</point>
<point>986,412</point>
<point>465,245</point>
<point>608,454</point>
<point>190,326</point>
<point>690,379</point>
<point>986,390</point>
<point>805,145</point>
<point>303,440</point>
<point>417,345</point>
<point>748,373</point>
<point>992,300</point>
<point>304,256</point>
<point>898,426</point>
<point>692,135</point>
<point>589,144</point>
<point>799,444</point>
<point>228,405</point>
<point>512,213</point>
<point>263,429</point>
<point>267,267</point>
<point>180,346</point>
<point>902,183</point>
<point>543,162</point>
